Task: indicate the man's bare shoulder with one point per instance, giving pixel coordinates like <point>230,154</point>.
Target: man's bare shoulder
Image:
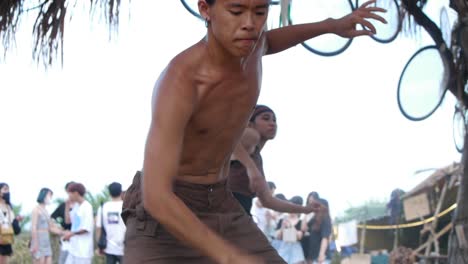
<point>179,79</point>
<point>186,63</point>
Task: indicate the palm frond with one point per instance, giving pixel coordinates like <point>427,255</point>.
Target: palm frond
<point>49,31</point>
<point>49,26</point>
<point>10,11</point>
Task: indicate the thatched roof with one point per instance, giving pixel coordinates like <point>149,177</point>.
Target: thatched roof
<point>49,26</point>
<point>452,171</point>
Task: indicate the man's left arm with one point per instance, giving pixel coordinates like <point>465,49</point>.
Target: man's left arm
<point>286,37</point>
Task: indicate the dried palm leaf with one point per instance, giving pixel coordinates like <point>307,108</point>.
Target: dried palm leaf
<point>49,26</point>
<point>10,11</point>
<point>110,11</point>
<point>48,31</point>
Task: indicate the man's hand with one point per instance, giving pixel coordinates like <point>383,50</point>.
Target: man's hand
<point>67,235</point>
<point>346,26</point>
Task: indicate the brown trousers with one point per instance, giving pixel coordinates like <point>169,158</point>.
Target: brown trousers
<point>147,241</point>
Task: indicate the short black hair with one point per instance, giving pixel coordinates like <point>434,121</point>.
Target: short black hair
<point>42,195</point>
<point>115,189</point>
<point>3,184</point>
<point>210,2</point>
<point>296,200</point>
<point>271,185</point>
<point>281,197</point>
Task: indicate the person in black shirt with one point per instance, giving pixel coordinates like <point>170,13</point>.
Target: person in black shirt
<point>318,230</point>
<point>59,216</point>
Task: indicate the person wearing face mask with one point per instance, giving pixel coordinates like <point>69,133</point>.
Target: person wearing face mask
<point>7,221</point>
<point>41,225</point>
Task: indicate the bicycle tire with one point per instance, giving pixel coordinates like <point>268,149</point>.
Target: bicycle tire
<point>326,53</point>
<point>458,129</point>
<point>190,10</point>
<point>395,32</point>
<point>438,98</point>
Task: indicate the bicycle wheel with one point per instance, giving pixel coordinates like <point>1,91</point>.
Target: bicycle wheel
<point>387,33</point>
<point>422,84</point>
<point>445,26</point>
<point>459,129</point>
<point>192,7</point>
<point>307,11</point>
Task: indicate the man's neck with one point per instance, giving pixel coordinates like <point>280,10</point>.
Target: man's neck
<point>81,200</point>
<point>116,199</point>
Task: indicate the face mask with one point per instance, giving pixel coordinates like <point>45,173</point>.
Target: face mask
<point>6,197</point>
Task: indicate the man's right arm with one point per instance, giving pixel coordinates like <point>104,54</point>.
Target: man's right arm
<point>174,101</point>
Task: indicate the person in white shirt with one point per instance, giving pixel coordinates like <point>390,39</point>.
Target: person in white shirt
<point>108,217</point>
<point>82,225</point>
<point>264,217</point>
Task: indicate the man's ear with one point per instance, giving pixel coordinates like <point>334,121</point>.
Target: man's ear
<point>204,9</point>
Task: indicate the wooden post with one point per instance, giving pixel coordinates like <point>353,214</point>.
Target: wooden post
<point>363,238</point>
<point>436,220</point>
<point>363,233</point>
<point>458,250</point>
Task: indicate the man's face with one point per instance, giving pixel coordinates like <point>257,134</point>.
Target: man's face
<point>238,24</point>
<point>72,196</point>
<point>265,124</point>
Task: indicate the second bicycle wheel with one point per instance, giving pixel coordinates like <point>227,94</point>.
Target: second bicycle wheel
<point>192,7</point>
<point>307,11</point>
<point>459,129</point>
<point>422,84</point>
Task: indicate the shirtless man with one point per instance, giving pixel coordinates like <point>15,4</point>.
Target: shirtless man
<point>184,213</point>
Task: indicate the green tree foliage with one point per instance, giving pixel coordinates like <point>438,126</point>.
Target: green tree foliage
<point>369,210</point>
<point>97,199</point>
